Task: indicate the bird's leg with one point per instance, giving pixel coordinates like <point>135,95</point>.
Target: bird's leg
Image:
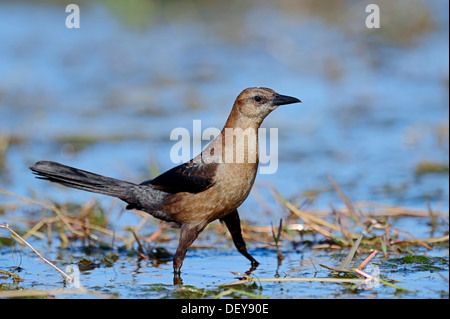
<point>234,226</point>
<point>187,236</point>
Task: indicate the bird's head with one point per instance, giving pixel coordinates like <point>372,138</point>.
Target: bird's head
<point>256,103</point>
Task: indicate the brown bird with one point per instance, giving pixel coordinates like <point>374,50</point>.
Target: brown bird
<point>190,196</point>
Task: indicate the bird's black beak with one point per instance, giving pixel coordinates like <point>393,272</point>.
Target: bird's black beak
<point>284,99</point>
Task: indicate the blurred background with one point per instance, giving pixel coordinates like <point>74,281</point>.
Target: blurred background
<point>106,96</point>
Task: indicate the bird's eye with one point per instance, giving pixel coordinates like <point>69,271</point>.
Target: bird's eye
<point>257,98</point>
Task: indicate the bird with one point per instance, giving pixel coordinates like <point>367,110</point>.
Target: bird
<point>210,186</point>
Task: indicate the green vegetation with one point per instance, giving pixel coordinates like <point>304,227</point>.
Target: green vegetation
<point>427,167</point>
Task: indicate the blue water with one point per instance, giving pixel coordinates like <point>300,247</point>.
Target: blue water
<point>375,102</point>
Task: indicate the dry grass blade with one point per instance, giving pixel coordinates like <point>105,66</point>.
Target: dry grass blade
<point>70,222</point>
<point>51,207</point>
<point>311,221</point>
<point>140,248</point>
<point>308,279</point>
<point>381,209</point>
<point>336,269</point>
<point>135,230</point>
<point>34,230</point>
<point>366,261</point>
<point>100,229</point>
<point>14,276</point>
<point>39,293</point>
<point>414,239</point>
<point>276,237</point>
<point>434,240</point>
<point>344,268</point>
<point>351,253</point>
<point>6,226</point>
<point>240,292</point>
<point>347,201</point>
<point>338,280</point>
<point>364,274</point>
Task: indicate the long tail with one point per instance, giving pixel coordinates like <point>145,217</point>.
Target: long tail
<point>87,181</point>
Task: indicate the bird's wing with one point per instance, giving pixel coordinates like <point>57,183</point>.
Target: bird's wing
<point>189,177</point>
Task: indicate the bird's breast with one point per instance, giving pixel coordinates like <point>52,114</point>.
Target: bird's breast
<point>231,187</point>
<point>236,153</point>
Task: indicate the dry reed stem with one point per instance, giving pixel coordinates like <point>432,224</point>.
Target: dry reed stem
<point>51,207</point>
<point>155,235</point>
<point>311,221</point>
<point>386,210</point>
<point>99,228</point>
<point>351,253</point>
<point>364,274</point>
<point>135,230</point>
<point>34,230</point>
<point>366,261</point>
<point>346,200</point>
<point>249,279</point>
<point>67,220</point>
<point>39,293</point>
<point>6,226</point>
<point>414,239</point>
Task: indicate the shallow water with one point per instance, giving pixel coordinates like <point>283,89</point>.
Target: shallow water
<point>205,269</point>
<point>375,106</point>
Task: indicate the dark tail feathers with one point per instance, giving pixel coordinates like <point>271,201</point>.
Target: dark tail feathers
<point>87,181</point>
